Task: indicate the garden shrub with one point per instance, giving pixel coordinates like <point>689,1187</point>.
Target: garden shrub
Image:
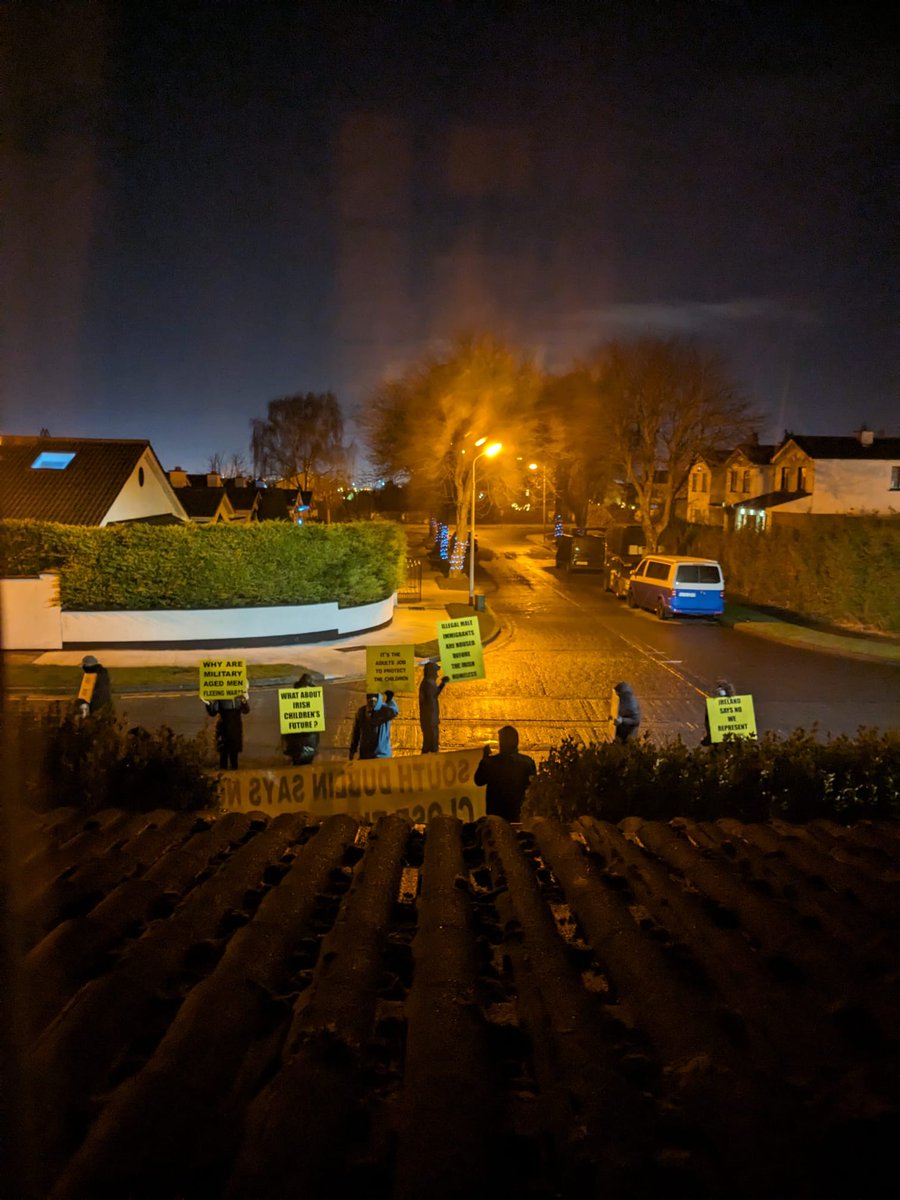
<point>220,566</point>
<point>797,778</point>
<point>97,762</point>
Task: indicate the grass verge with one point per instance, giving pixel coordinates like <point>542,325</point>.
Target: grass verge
<point>52,677</point>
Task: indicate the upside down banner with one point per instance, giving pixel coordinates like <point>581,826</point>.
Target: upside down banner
<point>419,786</point>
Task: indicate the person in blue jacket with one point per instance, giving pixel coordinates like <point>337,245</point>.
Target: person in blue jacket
<point>372,726</point>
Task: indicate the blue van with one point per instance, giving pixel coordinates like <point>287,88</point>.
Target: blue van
<point>677,586</point>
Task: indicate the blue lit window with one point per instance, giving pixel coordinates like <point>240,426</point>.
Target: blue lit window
<point>53,460</point>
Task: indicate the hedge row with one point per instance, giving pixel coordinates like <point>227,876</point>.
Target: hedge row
<point>796,778</point>
<point>218,566</point>
<point>844,570</point>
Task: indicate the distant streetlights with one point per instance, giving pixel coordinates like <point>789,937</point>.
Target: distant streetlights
<point>488,452</point>
<point>543,469</point>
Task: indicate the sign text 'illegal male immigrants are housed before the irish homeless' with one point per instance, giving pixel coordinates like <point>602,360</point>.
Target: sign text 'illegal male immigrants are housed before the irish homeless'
<point>462,657</point>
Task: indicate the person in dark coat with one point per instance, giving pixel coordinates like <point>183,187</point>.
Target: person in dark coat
<point>628,720</point>
<point>101,696</point>
<point>505,775</point>
<point>229,728</point>
<point>372,726</point>
<point>430,708</point>
<point>301,748</point>
<point>723,688</point>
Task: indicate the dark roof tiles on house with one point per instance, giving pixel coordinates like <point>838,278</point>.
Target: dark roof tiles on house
<point>80,494</point>
<point>755,452</point>
<point>844,447</point>
<point>204,501</point>
<point>276,504</point>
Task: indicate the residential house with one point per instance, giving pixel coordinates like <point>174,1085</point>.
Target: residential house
<point>827,475</point>
<point>85,481</point>
<point>706,489</point>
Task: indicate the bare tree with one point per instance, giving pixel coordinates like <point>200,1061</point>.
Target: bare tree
<point>667,402</point>
<point>228,468</point>
<point>424,425</point>
<point>300,441</point>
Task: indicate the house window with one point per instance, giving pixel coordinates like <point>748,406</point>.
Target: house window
<point>732,481</point>
<point>746,483</point>
<point>704,482</point>
<point>52,460</point>
<point>895,479</point>
<point>694,483</point>
<point>801,479</point>
<point>140,476</point>
<point>784,479</point>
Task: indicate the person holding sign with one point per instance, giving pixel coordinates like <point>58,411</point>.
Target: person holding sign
<point>430,708</point>
<point>628,719</point>
<point>95,693</point>
<point>723,688</point>
<point>372,727</point>
<point>301,748</point>
<point>229,728</point>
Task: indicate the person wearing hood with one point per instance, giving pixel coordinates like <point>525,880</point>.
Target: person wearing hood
<point>372,726</point>
<point>301,748</point>
<point>229,728</point>
<point>628,720</point>
<point>95,693</point>
<point>723,688</point>
<point>430,708</point>
<point>505,776</point>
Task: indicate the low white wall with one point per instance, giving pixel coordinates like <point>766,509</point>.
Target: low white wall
<point>280,625</point>
<point>30,616</point>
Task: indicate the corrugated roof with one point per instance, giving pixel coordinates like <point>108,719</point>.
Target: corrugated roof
<point>81,494</point>
<point>251,1007</point>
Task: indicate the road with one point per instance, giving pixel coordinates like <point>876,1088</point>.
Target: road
<point>564,643</point>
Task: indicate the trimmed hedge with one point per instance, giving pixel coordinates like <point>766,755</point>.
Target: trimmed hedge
<point>840,569</point>
<point>796,778</point>
<point>220,566</point>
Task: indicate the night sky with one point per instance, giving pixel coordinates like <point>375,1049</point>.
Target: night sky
<point>210,205</point>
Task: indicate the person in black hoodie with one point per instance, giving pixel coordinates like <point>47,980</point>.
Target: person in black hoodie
<point>229,728</point>
<point>96,697</point>
<point>430,708</point>
<point>628,720</point>
<point>301,748</point>
<point>505,776</point>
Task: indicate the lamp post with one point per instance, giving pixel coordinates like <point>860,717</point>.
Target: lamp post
<point>489,452</point>
<point>534,467</point>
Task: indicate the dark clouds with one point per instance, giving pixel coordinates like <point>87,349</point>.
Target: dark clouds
<point>213,204</point>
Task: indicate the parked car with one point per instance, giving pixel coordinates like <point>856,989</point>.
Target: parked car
<point>677,586</point>
<point>581,551</point>
<point>624,550</point>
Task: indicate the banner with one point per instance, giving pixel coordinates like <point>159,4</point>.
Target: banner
<point>731,717</point>
<point>420,786</point>
<point>222,678</point>
<point>462,657</point>
<point>301,709</point>
<point>390,668</point>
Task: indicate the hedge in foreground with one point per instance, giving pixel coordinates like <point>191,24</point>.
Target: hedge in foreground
<point>97,762</point>
<point>220,566</point>
<point>796,778</point>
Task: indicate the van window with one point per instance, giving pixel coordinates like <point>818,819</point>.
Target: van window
<point>657,570</point>
<point>697,573</point>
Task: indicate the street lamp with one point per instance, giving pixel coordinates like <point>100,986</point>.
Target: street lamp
<point>488,452</point>
<point>534,467</point>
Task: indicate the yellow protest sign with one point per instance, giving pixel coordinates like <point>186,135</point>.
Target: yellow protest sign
<point>731,717</point>
<point>88,683</point>
<point>462,656</point>
<point>420,786</point>
<point>222,678</point>
<point>301,709</point>
<point>390,668</point>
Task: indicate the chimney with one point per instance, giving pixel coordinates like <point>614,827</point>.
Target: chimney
<point>178,478</point>
<point>214,479</point>
<point>866,436</point>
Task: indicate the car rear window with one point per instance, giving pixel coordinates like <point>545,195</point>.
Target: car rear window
<point>698,573</point>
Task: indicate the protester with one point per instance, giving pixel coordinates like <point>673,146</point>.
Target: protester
<point>301,748</point>
<point>372,726</point>
<point>430,708</point>
<point>505,775</point>
<point>723,688</point>
<point>628,720</point>
<point>95,693</point>
<point>229,728</point>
